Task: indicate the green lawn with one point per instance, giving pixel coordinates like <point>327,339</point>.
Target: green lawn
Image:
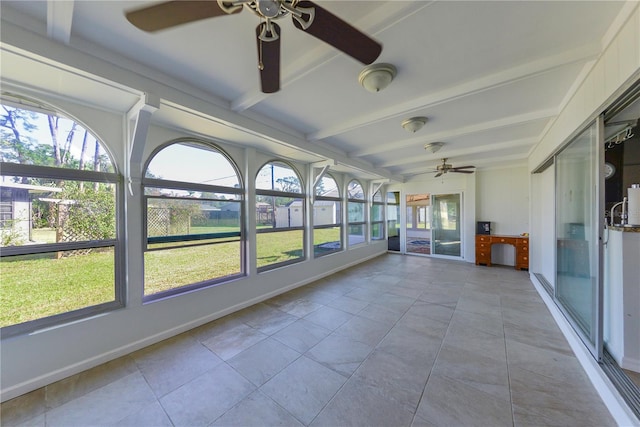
<point>32,287</point>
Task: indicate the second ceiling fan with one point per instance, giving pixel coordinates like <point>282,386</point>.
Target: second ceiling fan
<point>446,167</point>
<point>306,16</point>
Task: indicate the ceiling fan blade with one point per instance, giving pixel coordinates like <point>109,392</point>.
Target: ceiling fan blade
<point>438,174</point>
<point>172,13</point>
<point>457,171</point>
<point>269,58</point>
<point>336,32</point>
<point>464,167</point>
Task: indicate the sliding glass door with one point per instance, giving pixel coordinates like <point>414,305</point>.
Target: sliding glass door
<point>578,273</point>
<point>446,224</point>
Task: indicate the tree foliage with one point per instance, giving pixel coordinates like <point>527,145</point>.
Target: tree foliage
<point>88,213</point>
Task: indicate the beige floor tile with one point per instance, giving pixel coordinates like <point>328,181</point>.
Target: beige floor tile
<point>471,367</point>
<point>257,410</point>
<point>365,330</point>
<point>302,335</point>
<point>230,342</point>
<point>262,361</point>
<point>107,405</point>
<point>152,415</point>
<point>361,404</point>
<point>267,319</point>
<point>23,408</point>
<point>386,371</point>
<point>538,399</point>
<point>449,402</point>
<point>304,388</point>
<point>300,307</point>
<point>329,317</point>
<point>206,398</point>
<point>339,353</point>
<point>348,304</point>
<point>85,382</point>
<point>163,365</point>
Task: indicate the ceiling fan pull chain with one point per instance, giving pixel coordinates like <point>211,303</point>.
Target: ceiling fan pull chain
<point>260,63</point>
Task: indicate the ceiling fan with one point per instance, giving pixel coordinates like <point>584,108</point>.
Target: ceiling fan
<point>306,16</point>
<point>446,167</point>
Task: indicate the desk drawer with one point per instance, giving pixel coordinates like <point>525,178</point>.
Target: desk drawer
<point>483,238</point>
<point>522,261</point>
<point>482,246</point>
<point>506,240</point>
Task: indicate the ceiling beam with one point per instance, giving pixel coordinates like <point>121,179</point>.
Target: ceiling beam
<point>514,74</point>
<point>466,130</point>
<point>59,19</point>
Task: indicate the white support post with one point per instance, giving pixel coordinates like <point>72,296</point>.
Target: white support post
<point>141,113</point>
<point>375,186</point>
<point>324,167</point>
<point>136,127</point>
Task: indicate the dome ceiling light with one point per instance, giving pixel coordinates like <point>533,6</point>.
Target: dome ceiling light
<point>414,124</point>
<point>376,77</point>
<point>433,146</point>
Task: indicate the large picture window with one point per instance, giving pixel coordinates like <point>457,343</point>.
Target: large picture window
<point>60,196</point>
<point>193,219</point>
<point>279,216</point>
<point>327,217</point>
<point>357,227</point>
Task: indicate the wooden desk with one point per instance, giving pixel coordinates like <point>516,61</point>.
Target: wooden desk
<point>485,241</point>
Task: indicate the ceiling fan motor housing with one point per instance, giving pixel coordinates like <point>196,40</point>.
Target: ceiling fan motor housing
<point>268,8</point>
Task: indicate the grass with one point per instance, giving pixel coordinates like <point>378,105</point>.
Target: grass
<point>37,286</point>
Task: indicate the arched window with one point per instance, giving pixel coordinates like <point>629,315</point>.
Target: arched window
<point>279,216</point>
<point>193,219</point>
<point>59,197</point>
<point>377,217</point>
<point>327,217</point>
<point>357,226</point>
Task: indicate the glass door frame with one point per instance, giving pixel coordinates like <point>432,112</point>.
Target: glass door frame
<point>594,343</point>
<point>460,222</point>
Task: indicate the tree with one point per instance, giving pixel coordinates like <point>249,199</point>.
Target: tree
<point>14,146</point>
<point>53,130</point>
<point>289,184</point>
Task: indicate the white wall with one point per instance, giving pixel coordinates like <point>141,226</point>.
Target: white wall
<point>503,199</point>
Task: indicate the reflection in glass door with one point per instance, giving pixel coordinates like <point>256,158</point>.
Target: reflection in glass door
<point>578,289</point>
<point>446,225</point>
<point>418,226</point>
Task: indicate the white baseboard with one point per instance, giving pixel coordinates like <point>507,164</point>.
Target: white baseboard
<point>630,364</point>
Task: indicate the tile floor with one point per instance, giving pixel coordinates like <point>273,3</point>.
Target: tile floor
<point>396,341</point>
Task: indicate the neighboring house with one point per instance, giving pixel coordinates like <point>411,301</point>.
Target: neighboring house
<point>15,207</point>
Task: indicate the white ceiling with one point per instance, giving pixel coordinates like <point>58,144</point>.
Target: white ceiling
<point>490,75</point>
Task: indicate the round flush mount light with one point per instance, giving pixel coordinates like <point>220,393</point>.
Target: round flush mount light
<point>414,124</point>
<point>376,77</point>
<point>433,146</point>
